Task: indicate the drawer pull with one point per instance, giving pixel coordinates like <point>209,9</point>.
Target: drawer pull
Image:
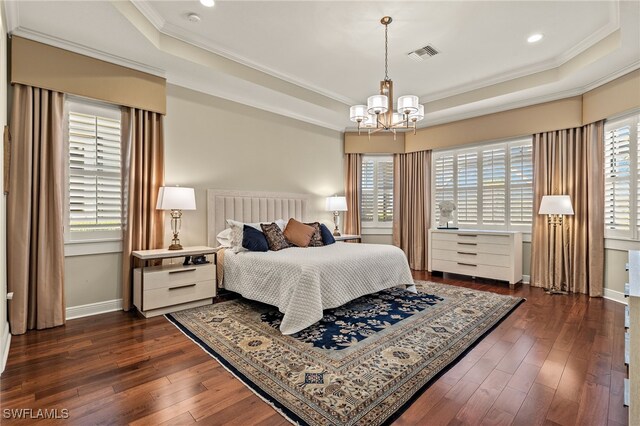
<point>182,286</point>
<point>468,253</point>
<point>468,244</point>
<point>467,235</point>
<point>467,264</point>
<point>178,271</point>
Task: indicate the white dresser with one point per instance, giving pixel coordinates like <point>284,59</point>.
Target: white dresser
<point>486,254</point>
<point>161,289</point>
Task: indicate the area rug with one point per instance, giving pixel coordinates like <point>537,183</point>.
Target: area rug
<point>363,363</point>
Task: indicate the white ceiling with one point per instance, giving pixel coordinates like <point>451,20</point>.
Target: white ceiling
<point>311,59</point>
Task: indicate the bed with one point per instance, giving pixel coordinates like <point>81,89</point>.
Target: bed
<point>300,282</point>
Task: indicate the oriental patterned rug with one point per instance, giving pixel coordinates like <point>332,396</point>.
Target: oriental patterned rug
<point>363,363</point>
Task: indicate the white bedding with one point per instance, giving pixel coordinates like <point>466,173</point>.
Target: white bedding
<point>302,282</point>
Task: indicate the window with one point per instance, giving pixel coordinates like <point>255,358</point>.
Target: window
<point>622,173</point>
<point>491,185</point>
<point>376,203</point>
<point>94,175</point>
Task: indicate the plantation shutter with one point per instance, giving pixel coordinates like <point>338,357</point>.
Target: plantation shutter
<point>467,199</point>
<point>367,194</point>
<point>384,190</point>
<point>494,186</point>
<point>521,184</point>
<point>95,192</point>
<point>617,171</point>
<point>444,182</point>
<point>376,203</point>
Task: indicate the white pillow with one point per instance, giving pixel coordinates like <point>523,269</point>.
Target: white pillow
<point>224,238</point>
<point>237,232</point>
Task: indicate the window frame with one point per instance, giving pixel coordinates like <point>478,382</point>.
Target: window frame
<point>90,242</point>
<point>632,236</point>
<point>375,227</point>
<point>478,149</point>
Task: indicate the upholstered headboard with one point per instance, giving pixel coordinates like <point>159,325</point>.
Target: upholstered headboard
<point>251,206</point>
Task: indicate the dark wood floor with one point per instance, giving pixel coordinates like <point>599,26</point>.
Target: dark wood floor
<point>555,360</point>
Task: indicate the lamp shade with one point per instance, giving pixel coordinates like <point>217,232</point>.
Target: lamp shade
<point>408,104</point>
<point>358,113</point>
<point>556,204</point>
<point>336,204</point>
<point>176,198</point>
<point>419,115</point>
<point>377,104</point>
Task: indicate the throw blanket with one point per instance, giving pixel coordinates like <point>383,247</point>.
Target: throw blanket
<point>302,282</point>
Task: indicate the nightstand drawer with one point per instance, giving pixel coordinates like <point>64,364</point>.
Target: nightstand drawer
<point>178,293</point>
<point>173,275</point>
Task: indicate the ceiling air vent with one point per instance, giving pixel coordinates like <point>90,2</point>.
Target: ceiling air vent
<point>423,53</point>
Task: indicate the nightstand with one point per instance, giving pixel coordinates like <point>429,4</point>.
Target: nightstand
<point>357,238</point>
<point>160,289</point>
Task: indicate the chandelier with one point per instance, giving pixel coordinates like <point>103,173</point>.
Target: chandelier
<point>377,115</point>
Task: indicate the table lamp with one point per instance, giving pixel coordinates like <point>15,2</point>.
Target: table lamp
<point>176,199</point>
<point>555,206</point>
<point>336,205</point>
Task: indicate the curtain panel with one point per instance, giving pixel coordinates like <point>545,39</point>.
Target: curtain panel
<point>353,169</point>
<point>412,206</point>
<point>143,175</point>
<point>35,212</point>
<point>570,162</point>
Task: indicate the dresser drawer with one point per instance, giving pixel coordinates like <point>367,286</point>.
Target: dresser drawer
<point>179,293</point>
<point>472,256</point>
<point>471,268</point>
<point>173,275</point>
<point>470,237</point>
<point>472,246</point>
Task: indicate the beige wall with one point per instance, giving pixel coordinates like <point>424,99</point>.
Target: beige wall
<point>214,143</point>
<point>615,274</point>
<point>92,279</point>
<point>4,326</point>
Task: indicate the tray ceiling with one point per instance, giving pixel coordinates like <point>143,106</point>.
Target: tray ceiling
<point>311,59</point>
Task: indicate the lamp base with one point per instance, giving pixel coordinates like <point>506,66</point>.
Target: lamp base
<point>336,233</point>
<point>175,247</point>
<point>553,291</point>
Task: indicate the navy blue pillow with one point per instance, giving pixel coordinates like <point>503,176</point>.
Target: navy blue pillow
<point>254,240</point>
<point>327,236</point>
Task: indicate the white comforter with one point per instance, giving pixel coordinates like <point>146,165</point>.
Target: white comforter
<point>302,282</point>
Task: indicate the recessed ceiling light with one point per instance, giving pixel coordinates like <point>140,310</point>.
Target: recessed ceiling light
<point>208,3</point>
<point>534,37</point>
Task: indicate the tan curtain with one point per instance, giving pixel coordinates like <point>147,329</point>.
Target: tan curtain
<point>570,162</point>
<point>353,169</point>
<point>143,171</point>
<point>35,212</point>
<point>412,205</point>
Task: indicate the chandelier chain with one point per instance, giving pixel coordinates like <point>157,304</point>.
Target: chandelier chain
<point>386,52</point>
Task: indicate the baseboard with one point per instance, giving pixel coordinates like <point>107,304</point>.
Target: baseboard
<point>616,296</point>
<point>5,344</point>
<point>94,309</point>
<point>526,279</point>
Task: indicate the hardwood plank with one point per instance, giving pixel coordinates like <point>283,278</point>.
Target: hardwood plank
<point>552,359</point>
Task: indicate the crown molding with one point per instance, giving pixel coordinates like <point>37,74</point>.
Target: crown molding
<point>250,101</point>
<point>150,13</point>
<point>603,32</point>
<point>172,30</point>
<point>85,50</point>
<point>11,15</point>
